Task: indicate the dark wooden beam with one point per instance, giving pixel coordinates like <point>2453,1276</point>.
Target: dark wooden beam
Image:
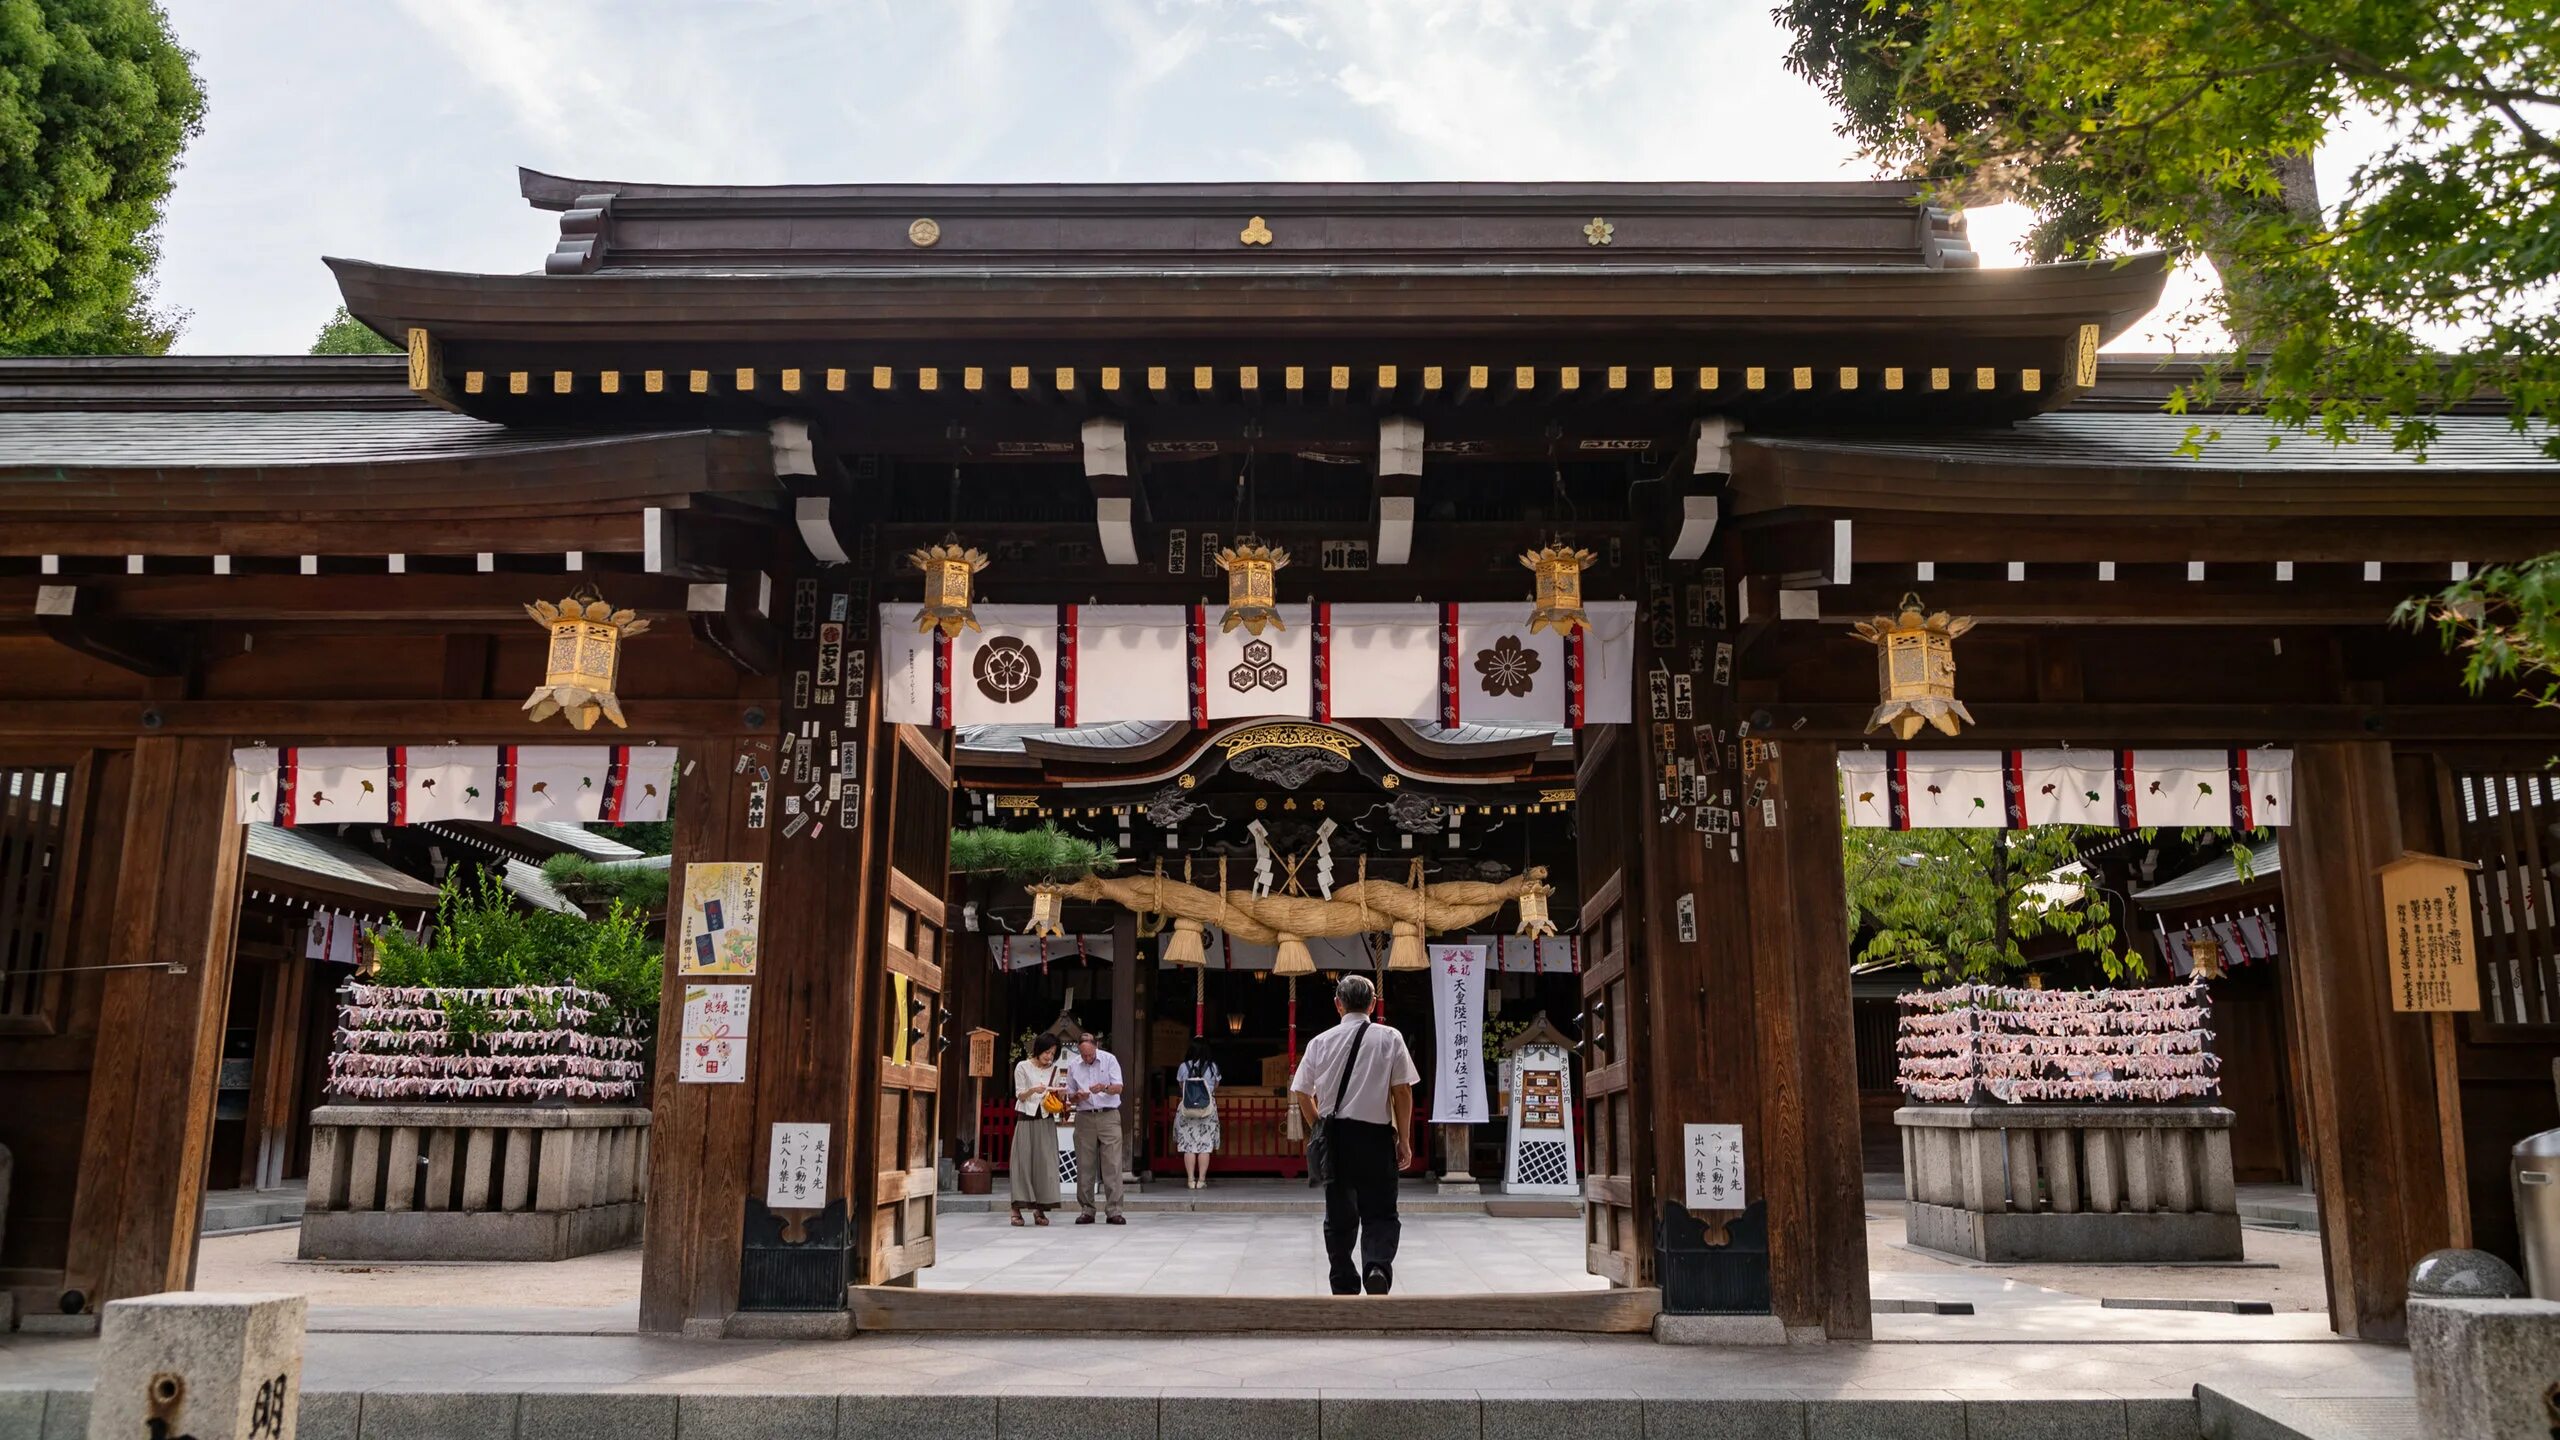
<point>596,533</point>
<point>2258,600</point>
<point>479,598</point>
<point>314,722</point>
<point>2005,723</point>
<point>731,617</point>
<point>2253,542</point>
<point>66,614</point>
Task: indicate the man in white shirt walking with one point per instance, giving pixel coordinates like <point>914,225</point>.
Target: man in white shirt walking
<point>1371,1134</point>
<point>1093,1078</point>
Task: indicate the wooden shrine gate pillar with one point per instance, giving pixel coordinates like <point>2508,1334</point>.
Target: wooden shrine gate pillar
<point>1813,1174</point>
<point>1740,968</point>
<point>172,907</point>
<point>2367,1073</point>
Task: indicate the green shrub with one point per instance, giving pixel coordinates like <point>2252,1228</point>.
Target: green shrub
<point>482,940</point>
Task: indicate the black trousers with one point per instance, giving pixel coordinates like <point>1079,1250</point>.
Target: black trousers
<point>1360,1203</point>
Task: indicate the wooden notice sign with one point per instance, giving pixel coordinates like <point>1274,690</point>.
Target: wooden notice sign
<point>982,1053</point>
<point>2427,924</point>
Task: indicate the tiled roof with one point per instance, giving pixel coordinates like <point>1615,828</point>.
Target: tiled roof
<point>213,439</point>
<point>328,861</point>
<point>2468,443</point>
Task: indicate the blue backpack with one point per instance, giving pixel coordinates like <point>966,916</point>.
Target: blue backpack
<point>1195,1089</point>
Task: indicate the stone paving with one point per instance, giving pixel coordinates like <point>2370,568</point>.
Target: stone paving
<point>1173,1253</point>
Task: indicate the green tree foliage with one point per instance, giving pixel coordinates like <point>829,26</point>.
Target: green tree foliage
<point>96,102</point>
<point>2504,622</point>
<point>1964,904</point>
<point>2190,124</point>
<point>482,939</point>
<point>591,884</point>
<point>347,335</point>
<point>1028,856</point>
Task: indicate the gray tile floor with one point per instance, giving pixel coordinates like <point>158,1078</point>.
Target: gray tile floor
<point>1176,1253</point>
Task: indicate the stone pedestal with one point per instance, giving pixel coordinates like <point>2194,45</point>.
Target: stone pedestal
<point>2485,1367</point>
<point>474,1182</point>
<point>1457,1176</point>
<point>2025,1183</point>
<point>210,1367</point>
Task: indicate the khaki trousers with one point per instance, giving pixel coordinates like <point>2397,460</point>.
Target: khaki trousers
<point>1100,1148</point>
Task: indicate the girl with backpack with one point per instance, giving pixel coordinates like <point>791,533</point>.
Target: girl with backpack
<point>1195,1120</point>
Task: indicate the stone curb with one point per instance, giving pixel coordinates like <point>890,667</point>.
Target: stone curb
<point>1245,1415</point>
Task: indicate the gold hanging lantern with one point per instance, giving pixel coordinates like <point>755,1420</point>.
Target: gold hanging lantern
<point>1047,910</point>
<point>947,568</point>
<point>1186,947</point>
<point>1534,920</point>
<point>586,655</point>
<point>2208,957</point>
<point>1559,570</point>
<point>1252,599</point>
<point>1294,957</point>
<point>1916,668</point>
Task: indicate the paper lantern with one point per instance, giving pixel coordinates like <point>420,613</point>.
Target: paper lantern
<point>1294,957</point>
<point>1404,949</point>
<point>1186,947</point>
<point>1916,670</point>
<point>1047,906</point>
<point>2207,953</point>
<point>1252,600</point>
<point>586,655</point>
<point>1559,570</point>
<point>1534,919</point>
<point>947,570</point>
<point>1235,1022</point>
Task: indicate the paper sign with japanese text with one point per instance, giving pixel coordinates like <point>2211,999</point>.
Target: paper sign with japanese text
<point>795,1176</point>
<point>722,904</point>
<point>1712,1155</point>
<point>714,1041</point>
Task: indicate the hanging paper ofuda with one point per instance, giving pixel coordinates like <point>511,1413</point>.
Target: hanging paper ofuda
<point>1457,1002</point>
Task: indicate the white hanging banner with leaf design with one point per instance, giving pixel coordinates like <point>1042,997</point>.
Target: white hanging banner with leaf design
<point>2013,789</point>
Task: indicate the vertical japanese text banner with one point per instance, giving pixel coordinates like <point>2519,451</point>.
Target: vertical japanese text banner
<point>1457,1002</point>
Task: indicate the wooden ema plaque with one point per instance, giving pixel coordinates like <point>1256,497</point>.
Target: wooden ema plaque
<point>2427,925</point>
<point>1541,1100</point>
<point>982,1053</point>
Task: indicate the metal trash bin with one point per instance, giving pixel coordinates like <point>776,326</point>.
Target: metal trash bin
<point>2533,1169</point>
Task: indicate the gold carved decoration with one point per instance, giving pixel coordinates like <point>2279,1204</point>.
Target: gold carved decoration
<point>586,655</point>
<point>1599,231</point>
<point>1255,232</point>
<point>1916,669</point>
<point>1563,796</point>
<point>1406,911</point>
<point>1287,736</point>
<point>924,234</point>
<point>1018,802</point>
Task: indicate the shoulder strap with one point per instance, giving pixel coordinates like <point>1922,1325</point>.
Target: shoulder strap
<point>1342,1091</point>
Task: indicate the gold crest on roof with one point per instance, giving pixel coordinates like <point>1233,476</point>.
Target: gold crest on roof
<point>947,570</point>
<point>1559,570</point>
<point>1252,589</point>
<point>585,658</point>
<point>1916,669</point>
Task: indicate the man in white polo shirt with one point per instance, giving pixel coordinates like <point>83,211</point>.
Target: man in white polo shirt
<point>1371,1134</point>
<point>1093,1078</point>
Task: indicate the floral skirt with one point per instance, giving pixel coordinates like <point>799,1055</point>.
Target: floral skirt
<point>1196,1136</point>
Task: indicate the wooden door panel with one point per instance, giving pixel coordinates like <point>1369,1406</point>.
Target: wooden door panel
<point>906,1117</point>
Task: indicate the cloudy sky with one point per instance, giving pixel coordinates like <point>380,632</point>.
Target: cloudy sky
<point>390,129</point>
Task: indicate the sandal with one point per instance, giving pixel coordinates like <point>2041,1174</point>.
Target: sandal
<point>1017,1217</point>
<point>1039,1217</point>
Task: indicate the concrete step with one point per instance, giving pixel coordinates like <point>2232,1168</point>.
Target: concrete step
<point>2236,1414</point>
<point>1274,1201</point>
<point>249,1209</point>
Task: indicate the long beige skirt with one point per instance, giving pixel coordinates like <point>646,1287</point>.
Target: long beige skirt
<point>1035,1161</point>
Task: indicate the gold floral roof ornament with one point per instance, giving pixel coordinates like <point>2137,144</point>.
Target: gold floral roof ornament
<point>1254,232</point>
<point>1916,669</point>
<point>1599,231</point>
<point>585,659</point>
<point>1534,919</point>
<point>1559,570</point>
<point>947,569</point>
<point>1252,589</point>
